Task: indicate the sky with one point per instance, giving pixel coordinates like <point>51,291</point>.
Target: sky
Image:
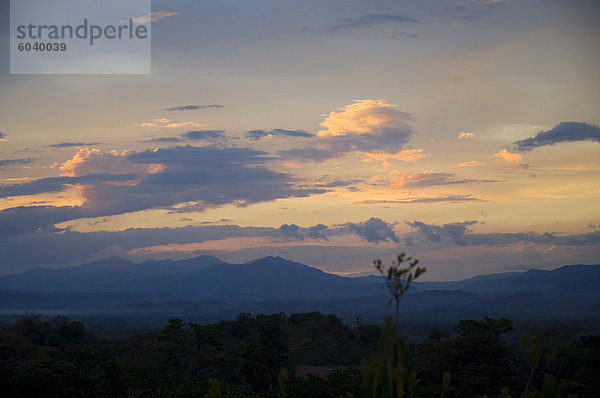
<point>333,133</point>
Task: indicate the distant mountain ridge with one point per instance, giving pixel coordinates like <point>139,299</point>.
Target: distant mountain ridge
<point>553,281</point>
<point>110,274</point>
<point>207,285</point>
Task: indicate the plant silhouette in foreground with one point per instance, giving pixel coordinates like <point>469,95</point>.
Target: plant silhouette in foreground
<point>398,279</point>
<point>391,370</point>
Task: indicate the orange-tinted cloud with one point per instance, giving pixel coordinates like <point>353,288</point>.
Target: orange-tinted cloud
<point>465,134</point>
<point>94,161</point>
<point>365,126</point>
<point>363,117</point>
<point>167,123</point>
<point>408,155</point>
<point>472,163</point>
<point>508,156</point>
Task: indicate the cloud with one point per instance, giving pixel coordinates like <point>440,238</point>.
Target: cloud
<point>24,219</point>
<point>196,135</point>
<point>59,184</point>
<point>337,183</point>
<point>472,163</point>
<point>455,231</point>
<point>166,123</point>
<point>256,135</point>
<point>10,162</point>
<point>425,179</point>
<point>563,132</point>
<point>193,107</point>
<point>404,34</point>
<point>291,231</point>
<point>468,13</point>
<point>408,155</point>
<point>2,136</point>
<point>116,183</point>
<point>373,230</point>
<point>318,231</point>
<point>212,175</point>
<point>204,135</point>
<point>72,144</point>
<point>94,161</point>
<point>509,157</point>
<point>459,234</point>
<point>364,117</point>
<point>372,20</point>
<point>423,200</point>
<point>181,124</point>
<point>309,153</point>
<point>363,126</point>
<point>465,134</point>
<point>154,16</point>
<point>165,140</point>
<point>294,232</point>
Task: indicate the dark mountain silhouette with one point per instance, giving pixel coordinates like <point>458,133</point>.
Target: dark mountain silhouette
<point>513,282</point>
<point>110,274</point>
<point>271,277</point>
<point>207,286</point>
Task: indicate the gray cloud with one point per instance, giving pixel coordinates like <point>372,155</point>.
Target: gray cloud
<point>441,199</point>
<point>2,136</point>
<point>309,153</point>
<point>59,184</point>
<point>318,231</point>
<point>196,135</point>
<point>431,232</point>
<point>294,232</point>
<point>385,140</point>
<point>466,13</point>
<point>420,180</point>
<point>10,162</point>
<point>455,231</point>
<point>204,134</point>
<point>291,231</point>
<point>193,107</point>
<point>256,135</point>
<point>72,144</point>
<point>24,219</point>
<point>208,175</point>
<point>563,132</point>
<point>166,140</point>
<point>337,183</point>
<point>371,20</point>
<point>373,230</point>
<point>460,235</point>
<point>404,34</point>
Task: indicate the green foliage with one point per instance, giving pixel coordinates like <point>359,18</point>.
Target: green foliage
<point>391,367</point>
<point>282,378</point>
<point>214,389</point>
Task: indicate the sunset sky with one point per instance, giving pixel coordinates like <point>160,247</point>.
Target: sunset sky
<point>463,132</point>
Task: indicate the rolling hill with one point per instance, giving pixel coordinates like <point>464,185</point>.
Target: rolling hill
<point>206,285</point>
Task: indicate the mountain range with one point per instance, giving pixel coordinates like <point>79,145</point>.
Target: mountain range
<point>206,284</point>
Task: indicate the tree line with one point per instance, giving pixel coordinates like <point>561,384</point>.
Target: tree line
<point>257,356</point>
